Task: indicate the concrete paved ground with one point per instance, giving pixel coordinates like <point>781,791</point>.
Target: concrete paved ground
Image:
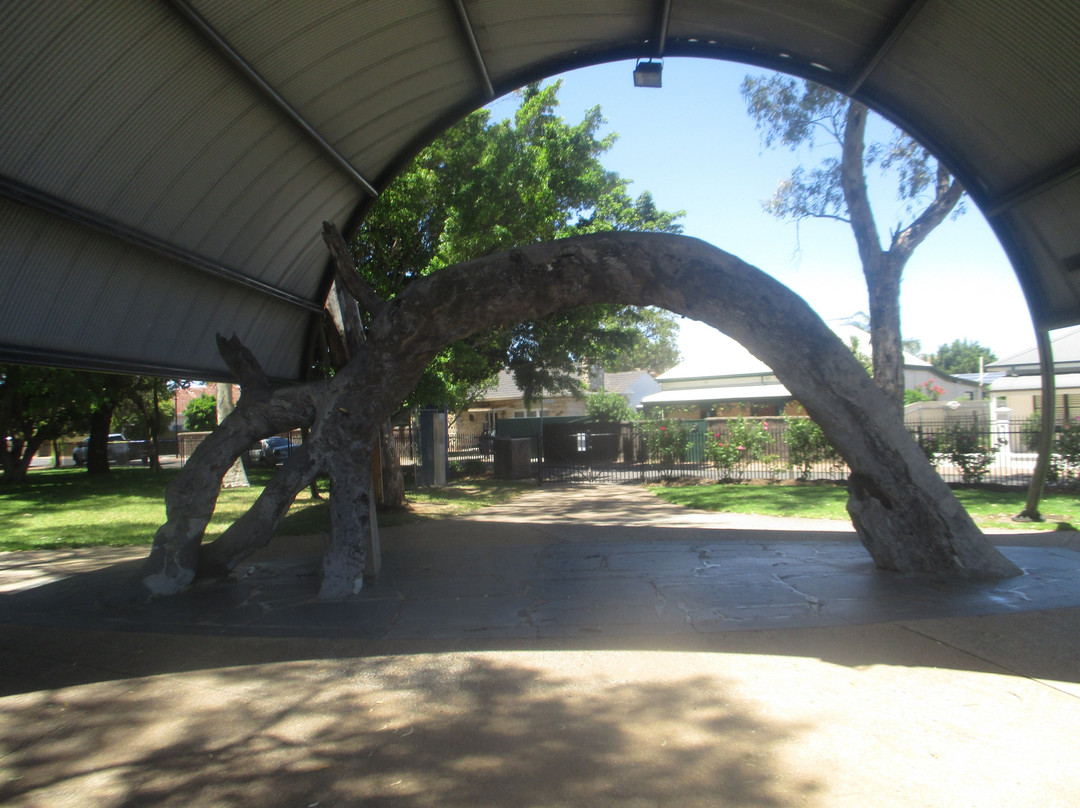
<point>579,646</point>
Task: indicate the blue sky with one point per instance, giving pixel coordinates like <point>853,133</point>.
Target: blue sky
<point>693,146</point>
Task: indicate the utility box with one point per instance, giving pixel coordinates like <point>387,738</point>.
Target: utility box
<point>433,458</point>
<point>513,458</point>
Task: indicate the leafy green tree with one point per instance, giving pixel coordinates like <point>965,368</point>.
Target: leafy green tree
<point>485,186</point>
<point>609,407</point>
<point>200,415</point>
<point>37,404</point>
<point>961,356</point>
<point>147,411</point>
<point>654,344</point>
<point>104,394</point>
<point>794,113</point>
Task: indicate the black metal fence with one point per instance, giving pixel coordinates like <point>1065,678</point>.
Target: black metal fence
<point>577,450</point>
<point>962,452</point>
<point>599,452</point>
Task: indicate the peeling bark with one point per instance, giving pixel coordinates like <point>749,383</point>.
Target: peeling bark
<point>190,498</point>
<point>905,515</point>
<point>256,528</point>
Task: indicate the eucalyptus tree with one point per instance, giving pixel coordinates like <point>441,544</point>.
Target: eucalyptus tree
<point>794,113</point>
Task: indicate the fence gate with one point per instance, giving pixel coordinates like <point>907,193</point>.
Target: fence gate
<point>593,451</point>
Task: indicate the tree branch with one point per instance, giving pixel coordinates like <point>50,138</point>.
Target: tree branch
<point>242,363</point>
<point>345,271</point>
<point>853,180</point>
<point>906,240</point>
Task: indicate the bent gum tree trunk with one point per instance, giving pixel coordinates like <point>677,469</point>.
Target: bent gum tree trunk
<point>905,515</point>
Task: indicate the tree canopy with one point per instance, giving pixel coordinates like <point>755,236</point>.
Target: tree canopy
<point>792,113</point>
<point>961,356</point>
<point>608,406</point>
<point>200,414</point>
<point>487,185</point>
<point>36,405</point>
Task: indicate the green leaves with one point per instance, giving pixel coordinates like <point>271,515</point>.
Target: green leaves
<point>487,186</point>
<point>961,356</point>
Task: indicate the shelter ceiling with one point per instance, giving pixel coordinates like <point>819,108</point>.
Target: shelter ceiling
<point>165,166</point>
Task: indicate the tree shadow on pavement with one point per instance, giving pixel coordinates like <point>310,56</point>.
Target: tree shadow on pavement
<point>448,730</point>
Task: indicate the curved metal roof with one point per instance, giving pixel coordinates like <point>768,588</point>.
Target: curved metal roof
<point>165,166</point>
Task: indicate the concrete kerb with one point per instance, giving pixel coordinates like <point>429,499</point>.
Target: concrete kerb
<point>576,646</point>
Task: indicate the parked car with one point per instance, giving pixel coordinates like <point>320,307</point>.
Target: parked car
<point>118,449</point>
<point>272,451</point>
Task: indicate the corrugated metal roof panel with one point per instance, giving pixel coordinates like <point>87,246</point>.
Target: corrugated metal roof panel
<point>76,293</point>
<point>130,115</point>
<point>975,73</point>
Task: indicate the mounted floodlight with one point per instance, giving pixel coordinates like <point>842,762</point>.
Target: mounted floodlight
<point>647,73</point>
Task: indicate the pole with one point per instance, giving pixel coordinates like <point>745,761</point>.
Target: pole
<point>1046,430</point>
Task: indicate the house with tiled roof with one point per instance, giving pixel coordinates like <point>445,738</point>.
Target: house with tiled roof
<point>504,398</point>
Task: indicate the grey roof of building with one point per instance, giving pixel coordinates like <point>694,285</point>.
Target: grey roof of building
<point>1064,345</point>
<point>621,382</point>
<point>165,167</point>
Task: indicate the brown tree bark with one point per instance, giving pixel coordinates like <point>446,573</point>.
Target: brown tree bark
<point>905,515</point>
<point>97,455</point>
<point>883,269</point>
<point>393,481</point>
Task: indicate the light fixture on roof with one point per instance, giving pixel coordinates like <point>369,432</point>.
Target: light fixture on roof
<point>647,72</point>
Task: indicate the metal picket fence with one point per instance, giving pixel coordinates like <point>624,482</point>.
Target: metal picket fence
<point>574,449</point>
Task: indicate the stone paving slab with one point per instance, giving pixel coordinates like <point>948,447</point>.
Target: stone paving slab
<point>549,657</point>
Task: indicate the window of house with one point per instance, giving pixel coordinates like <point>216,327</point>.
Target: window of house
<point>1067,406</point>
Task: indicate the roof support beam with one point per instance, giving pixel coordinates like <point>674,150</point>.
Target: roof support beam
<point>208,31</point>
<point>1022,192</point>
<point>474,46</point>
<point>663,16</point>
<point>18,192</point>
<point>889,38</point>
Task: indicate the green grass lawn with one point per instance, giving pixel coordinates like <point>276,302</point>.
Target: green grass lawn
<point>989,508</point>
<point>69,508</point>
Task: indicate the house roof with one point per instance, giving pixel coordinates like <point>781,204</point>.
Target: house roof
<point>1065,347</point>
<point>732,360</point>
<point>622,381</point>
<point>1031,382</point>
<point>165,167</point>
<point>743,392</point>
<point>506,389</point>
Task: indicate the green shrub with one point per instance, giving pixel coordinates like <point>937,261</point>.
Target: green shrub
<point>971,448</point>
<point>668,441</point>
<point>931,444</point>
<point>736,446</point>
<point>1066,462</point>
<point>808,446</point>
<point>200,415</point>
<point>608,407</point>
<point>1029,431</point>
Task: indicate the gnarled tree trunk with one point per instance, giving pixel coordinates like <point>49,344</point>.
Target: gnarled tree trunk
<point>905,515</point>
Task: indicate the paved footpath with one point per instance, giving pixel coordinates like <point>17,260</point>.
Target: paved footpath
<point>578,646</point>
